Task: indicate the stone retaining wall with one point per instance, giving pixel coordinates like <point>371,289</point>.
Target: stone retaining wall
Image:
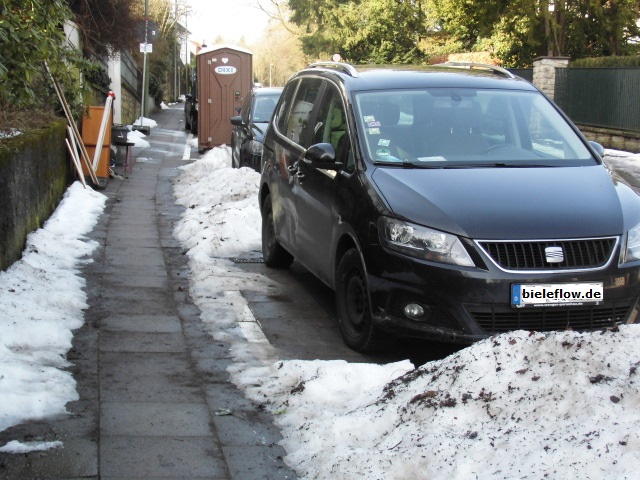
<point>614,139</point>
<point>34,174</point>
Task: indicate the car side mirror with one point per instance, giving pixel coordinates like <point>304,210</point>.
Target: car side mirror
<point>237,121</point>
<point>322,155</point>
<point>598,148</point>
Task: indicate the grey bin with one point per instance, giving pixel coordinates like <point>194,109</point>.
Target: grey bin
<point>119,140</point>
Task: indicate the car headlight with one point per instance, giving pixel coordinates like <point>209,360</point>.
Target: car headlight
<point>632,247</point>
<point>256,148</point>
<point>422,242</point>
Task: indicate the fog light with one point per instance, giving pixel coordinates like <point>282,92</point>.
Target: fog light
<point>414,311</point>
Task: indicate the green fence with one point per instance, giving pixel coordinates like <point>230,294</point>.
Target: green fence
<point>600,97</point>
<point>526,73</point>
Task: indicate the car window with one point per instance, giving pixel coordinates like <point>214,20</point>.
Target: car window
<point>298,127</point>
<point>263,107</point>
<point>283,106</point>
<point>331,126</point>
<point>447,126</point>
<point>550,134</point>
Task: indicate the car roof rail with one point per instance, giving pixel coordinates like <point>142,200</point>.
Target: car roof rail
<point>479,66</point>
<point>343,67</point>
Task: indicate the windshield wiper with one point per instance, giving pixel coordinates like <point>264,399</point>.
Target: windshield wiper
<point>498,165</point>
<point>406,164</point>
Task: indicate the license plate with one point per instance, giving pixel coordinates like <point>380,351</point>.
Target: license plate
<point>556,294</point>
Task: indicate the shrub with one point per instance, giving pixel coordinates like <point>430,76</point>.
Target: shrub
<point>612,61</point>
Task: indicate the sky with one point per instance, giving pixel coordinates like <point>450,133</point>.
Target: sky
<point>518,405</point>
<point>232,20</point>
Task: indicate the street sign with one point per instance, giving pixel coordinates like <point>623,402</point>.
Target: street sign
<point>146,48</point>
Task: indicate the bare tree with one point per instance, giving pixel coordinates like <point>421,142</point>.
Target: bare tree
<point>107,26</point>
<point>277,56</point>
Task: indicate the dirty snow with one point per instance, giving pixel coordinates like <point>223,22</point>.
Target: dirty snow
<point>41,303</point>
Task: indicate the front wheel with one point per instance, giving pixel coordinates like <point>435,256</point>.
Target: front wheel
<point>352,302</point>
<point>274,254</point>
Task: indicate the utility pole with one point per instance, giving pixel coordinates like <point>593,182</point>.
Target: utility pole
<point>187,74</point>
<point>175,57</point>
<point>145,87</point>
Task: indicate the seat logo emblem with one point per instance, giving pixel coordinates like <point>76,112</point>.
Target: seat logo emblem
<point>554,254</point>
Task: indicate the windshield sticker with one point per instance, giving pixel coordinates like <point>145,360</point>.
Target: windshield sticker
<point>374,131</point>
<point>383,152</point>
<point>383,142</point>
<point>374,124</point>
<point>369,118</point>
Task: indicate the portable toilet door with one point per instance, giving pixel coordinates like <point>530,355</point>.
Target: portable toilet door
<point>225,77</point>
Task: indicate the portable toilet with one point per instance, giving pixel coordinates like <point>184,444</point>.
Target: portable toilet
<point>225,77</point>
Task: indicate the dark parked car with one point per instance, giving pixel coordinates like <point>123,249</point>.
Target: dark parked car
<point>446,203</point>
<point>191,113</point>
<point>249,127</point>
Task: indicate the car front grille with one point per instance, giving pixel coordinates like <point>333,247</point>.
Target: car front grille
<point>496,319</point>
<point>530,256</point>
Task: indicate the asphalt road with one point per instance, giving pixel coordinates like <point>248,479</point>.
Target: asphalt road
<point>300,321</point>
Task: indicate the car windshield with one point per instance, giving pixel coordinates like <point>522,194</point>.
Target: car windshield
<point>464,127</point>
<point>263,107</point>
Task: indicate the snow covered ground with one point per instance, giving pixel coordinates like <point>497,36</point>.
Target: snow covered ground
<point>519,405</point>
<point>41,303</point>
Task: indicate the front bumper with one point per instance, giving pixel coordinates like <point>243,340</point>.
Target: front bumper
<point>464,305</point>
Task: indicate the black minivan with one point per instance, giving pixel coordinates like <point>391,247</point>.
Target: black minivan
<point>449,202</point>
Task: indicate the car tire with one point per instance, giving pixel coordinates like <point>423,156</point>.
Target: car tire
<point>273,254</point>
<point>353,307</point>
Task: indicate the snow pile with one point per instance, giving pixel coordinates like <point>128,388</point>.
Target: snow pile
<point>41,302</point>
<point>557,405</point>
<point>145,122</point>
<point>221,221</point>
